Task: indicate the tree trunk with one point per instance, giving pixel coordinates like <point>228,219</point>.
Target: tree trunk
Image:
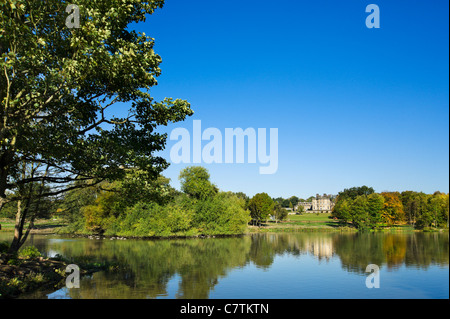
<point>21,215</point>
<point>17,230</point>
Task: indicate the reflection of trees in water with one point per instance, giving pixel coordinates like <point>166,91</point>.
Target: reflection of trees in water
<point>419,250</point>
<point>200,263</point>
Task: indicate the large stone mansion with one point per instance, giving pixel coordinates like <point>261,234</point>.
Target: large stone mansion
<point>320,204</point>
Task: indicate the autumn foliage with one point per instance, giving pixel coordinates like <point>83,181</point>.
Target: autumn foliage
<point>362,208</point>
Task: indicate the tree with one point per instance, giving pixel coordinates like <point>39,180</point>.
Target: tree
<point>195,182</point>
<point>57,85</point>
<point>424,216</point>
<point>261,206</point>
<point>392,208</point>
<point>294,200</point>
<point>73,200</point>
<point>359,212</point>
<point>438,207</point>
<point>342,210</point>
<point>27,206</point>
<point>244,197</point>
<point>409,201</point>
<point>375,204</point>
<point>222,213</point>
<point>354,192</point>
<point>279,213</point>
<point>139,186</point>
<point>106,208</point>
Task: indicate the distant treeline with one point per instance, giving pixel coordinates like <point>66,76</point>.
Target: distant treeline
<point>142,206</point>
<point>292,201</point>
<point>365,209</point>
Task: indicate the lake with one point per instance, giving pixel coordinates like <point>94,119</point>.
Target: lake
<point>259,266</point>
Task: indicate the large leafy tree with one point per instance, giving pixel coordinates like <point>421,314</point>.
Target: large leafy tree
<point>195,182</point>
<point>261,206</point>
<point>375,204</point>
<point>57,85</point>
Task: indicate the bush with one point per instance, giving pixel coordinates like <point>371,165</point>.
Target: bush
<point>4,246</point>
<point>221,214</point>
<point>151,219</point>
<point>178,219</point>
<point>29,252</point>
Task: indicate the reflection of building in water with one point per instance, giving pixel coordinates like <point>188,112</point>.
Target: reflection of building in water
<point>320,247</point>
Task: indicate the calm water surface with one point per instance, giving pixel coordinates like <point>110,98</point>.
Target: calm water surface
<point>266,266</point>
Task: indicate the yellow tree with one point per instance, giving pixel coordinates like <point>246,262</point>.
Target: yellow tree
<point>392,211</point>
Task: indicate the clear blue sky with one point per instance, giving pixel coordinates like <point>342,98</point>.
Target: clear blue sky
<point>353,106</point>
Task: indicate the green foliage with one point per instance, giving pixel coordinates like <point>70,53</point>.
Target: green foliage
<point>145,219</point>
<point>342,210</point>
<point>261,206</point>
<point>29,252</point>
<point>372,210</point>
<point>71,75</point>
<point>8,210</point>
<point>57,84</point>
<point>195,182</point>
<point>190,213</point>
<point>139,185</point>
<point>359,212</point>
<point>223,213</point>
<point>364,211</point>
<point>375,204</point>
<point>352,193</point>
<point>279,213</point>
<point>425,210</point>
<point>4,246</point>
<point>288,202</point>
<point>40,208</point>
<point>106,208</point>
<point>74,200</point>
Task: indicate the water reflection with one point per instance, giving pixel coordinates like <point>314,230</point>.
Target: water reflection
<point>191,268</point>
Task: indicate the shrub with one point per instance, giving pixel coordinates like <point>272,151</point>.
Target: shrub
<point>151,219</point>
<point>178,219</point>
<point>221,214</point>
<point>4,246</point>
<point>29,252</point>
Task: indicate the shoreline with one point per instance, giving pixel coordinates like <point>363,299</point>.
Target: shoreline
<point>20,276</point>
<point>250,230</point>
<point>25,275</point>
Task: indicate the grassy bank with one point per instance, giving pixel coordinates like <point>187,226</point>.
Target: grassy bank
<point>41,226</point>
<point>305,222</point>
<point>294,223</point>
<point>324,223</point>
